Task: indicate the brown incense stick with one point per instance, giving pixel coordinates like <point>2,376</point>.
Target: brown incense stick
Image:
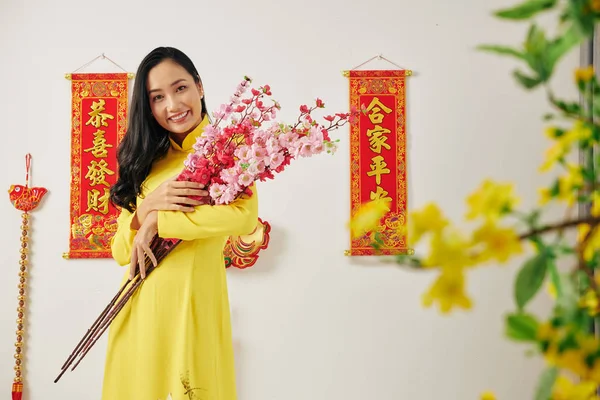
<point>91,330</point>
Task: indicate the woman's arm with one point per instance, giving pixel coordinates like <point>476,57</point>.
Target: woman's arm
<point>122,241</point>
<point>237,218</point>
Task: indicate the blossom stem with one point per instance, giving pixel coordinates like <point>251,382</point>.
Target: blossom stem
<point>560,226</point>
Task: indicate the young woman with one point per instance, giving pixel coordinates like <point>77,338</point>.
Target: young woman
<point>174,336</point>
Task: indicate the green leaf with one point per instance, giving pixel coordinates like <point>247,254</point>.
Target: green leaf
<point>567,301</point>
<point>536,49</point>
<point>526,9</point>
<point>530,278</point>
<point>569,108</point>
<point>521,327</point>
<point>563,249</point>
<point>554,277</point>
<point>537,242</point>
<point>502,50</point>
<point>536,42</point>
<point>526,81</point>
<point>561,46</point>
<point>533,219</point>
<point>546,382</point>
<point>555,188</point>
<point>582,20</point>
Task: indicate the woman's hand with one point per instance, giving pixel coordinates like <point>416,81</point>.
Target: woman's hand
<point>141,245</point>
<point>171,195</point>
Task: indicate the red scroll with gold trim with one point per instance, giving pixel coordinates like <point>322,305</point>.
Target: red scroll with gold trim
<point>99,122</point>
<point>378,156</point>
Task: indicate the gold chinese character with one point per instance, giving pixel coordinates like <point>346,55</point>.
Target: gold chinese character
<point>375,107</point>
<point>378,168</point>
<point>97,172</point>
<point>380,194</point>
<point>100,145</point>
<point>97,117</point>
<point>377,140</point>
<point>96,202</point>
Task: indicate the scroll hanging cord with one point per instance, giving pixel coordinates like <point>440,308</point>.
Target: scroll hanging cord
<point>379,57</point>
<point>102,56</point>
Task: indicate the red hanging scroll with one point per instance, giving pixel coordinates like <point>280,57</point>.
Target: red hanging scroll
<point>378,156</point>
<point>99,122</point>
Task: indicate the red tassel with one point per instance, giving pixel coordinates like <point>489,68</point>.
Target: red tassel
<point>17,391</point>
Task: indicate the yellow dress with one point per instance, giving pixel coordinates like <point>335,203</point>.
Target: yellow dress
<point>174,335</point>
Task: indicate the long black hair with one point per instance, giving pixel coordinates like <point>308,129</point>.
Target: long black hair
<point>145,140</point>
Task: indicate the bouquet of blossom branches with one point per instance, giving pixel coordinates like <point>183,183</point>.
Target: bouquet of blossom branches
<point>249,146</point>
<point>229,159</point>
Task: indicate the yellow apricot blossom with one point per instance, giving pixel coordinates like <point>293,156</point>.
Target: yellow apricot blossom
<point>562,145</point>
<point>499,243</point>
<point>368,217</point>
<point>569,183</point>
<point>448,291</point>
<point>564,389</point>
<point>593,241</point>
<point>488,395</point>
<point>586,74</point>
<point>429,219</point>
<point>449,248</point>
<point>491,200</point>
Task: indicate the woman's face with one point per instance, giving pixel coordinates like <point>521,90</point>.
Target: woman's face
<point>175,99</point>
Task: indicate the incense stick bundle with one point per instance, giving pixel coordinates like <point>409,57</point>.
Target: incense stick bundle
<point>160,248</point>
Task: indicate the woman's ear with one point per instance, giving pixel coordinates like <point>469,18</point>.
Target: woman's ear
<point>200,89</point>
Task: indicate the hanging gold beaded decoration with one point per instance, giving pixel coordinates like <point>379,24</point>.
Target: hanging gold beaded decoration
<point>24,199</point>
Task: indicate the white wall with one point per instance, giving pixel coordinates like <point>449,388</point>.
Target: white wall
<point>308,322</point>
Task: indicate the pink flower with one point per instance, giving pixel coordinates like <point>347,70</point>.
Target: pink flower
<point>315,134</point>
<point>216,191</point>
<point>231,175</point>
<point>245,179</point>
<point>258,153</point>
<point>201,144</point>
<point>241,89</point>
<point>260,137</point>
<point>210,132</point>
<point>224,111</point>
<point>317,147</point>
<point>192,161</point>
<point>287,139</point>
<point>228,195</point>
<point>306,149</point>
<point>256,168</point>
<point>276,160</point>
<point>273,145</point>
<point>243,153</point>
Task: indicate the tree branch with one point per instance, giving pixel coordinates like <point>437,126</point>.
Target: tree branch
<point>565,224</point>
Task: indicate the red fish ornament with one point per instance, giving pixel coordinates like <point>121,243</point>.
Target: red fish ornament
<point>24,199</point>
